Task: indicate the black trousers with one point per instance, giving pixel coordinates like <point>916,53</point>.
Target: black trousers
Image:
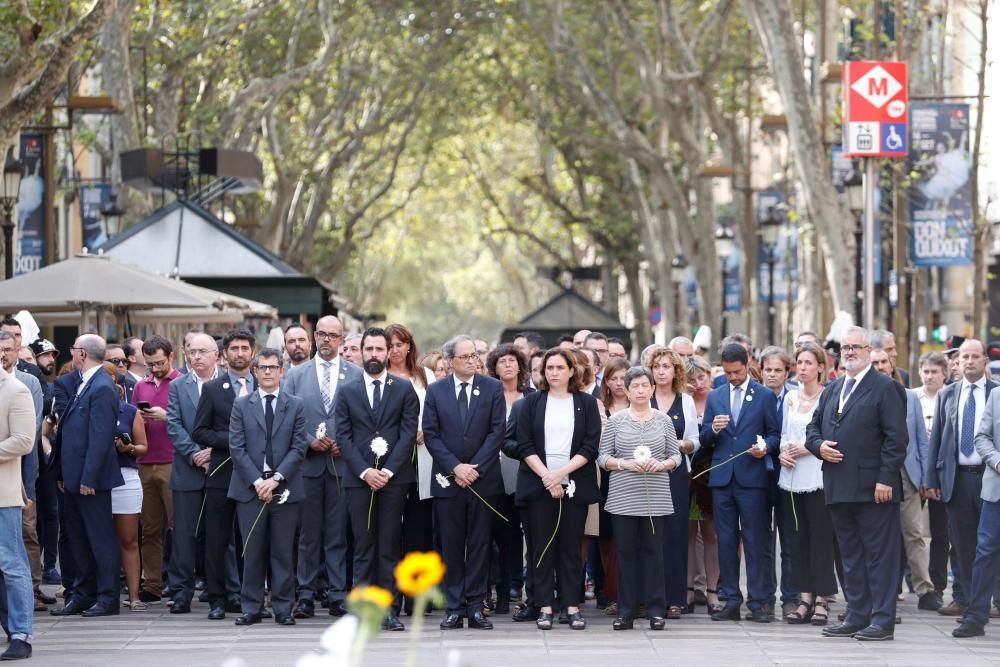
<point>465,522</point>
<point>92,539</point>
<point>184,543</point>
<point>48,517</point>
<point>963,526</point>
<point>218,519</point>
<point>939,544</point>
<point>812,542</point>
<point>640,557</point>
<point>268,554</point>
<point>509,539</point>
<point>867,535</point>
<point>674,537</point>
<point>377,548</point>
<point>564,555</point>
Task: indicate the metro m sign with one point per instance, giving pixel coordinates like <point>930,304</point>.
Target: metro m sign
<point>875,109</point>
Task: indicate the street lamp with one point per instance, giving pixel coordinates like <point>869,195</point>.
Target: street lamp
<point>678,266</point>
<point>112,213</point>
<point>770,233</point>
<point>13,171</point>
<point>724,243</point>
<point>855,189</point>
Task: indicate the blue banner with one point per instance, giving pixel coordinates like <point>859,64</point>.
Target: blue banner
<point>93,196</point>
<point>941,188</point>
<point>30,248</point>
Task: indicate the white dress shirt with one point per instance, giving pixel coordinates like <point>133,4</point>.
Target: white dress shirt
<point>334,374</point>
<point>468,388</point>
<point>370,389</point>
<point>263,407</point>
<point>843,390</point>
<point>86,375</point>
<point>927,406</point>
<point>743,393</point>
<point>973,459</point>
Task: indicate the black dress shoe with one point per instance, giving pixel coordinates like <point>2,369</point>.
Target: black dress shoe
<point>874,633</point>
<point>337,608</point>
<point>203,596</point>
<point>479,622</point>
<point>451,622</point>
<point>525,614</point>
<point>233,606</point>
<point>265,614</point>
<point>71,608</point>
<point>101,609</point>
<point>248,619</point>
<point>217,613</point>
<point>930,601</point>
<point>968,630</point>
<point>624,623</point>
<point>304,609</point>
<point>657,623</point>
<point>18,650</point>
<point>180,607</point>
<point>284,619</point>
<point>842,630</point>
<point>393,624</point>
<point>761,616</point>
<point>728,613</point>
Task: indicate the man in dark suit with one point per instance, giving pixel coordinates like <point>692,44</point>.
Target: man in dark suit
<point>859,430</point>
<point>464,425</point>
<point>381,410</point>
<point>735,415</point>
<point>267,440</point>
<point>212,431</point>
<point>323,532</point>
<point>190,465</point>
<point>954,469</point>
<point>89,470</point>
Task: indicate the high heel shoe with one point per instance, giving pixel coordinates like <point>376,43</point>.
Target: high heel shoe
<point>714,608</point>
<point>689,609</point>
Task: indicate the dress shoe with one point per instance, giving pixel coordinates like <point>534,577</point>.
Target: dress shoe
<point>761,616</point>
<point>284,619</point>
<point>451,622</point>
<point>393,624</point>
<point>842,630</point>
<point>217,613</point>
<point>952,609</point>
<point>233,605</point>
<point>479,622</point>
<point>930,601</point>
<point>149,598</point>
<point>248,619</point>
<point>51,577</point>
<point>623,623</point>
<point>728,613</point>
<point>18,650</point>
<point>503,602</point>
<point>199,585</point>
<point>968,629</point>
<point>71,608</point>
<point>337,608</point>
<point>874,633</point>
<point>45,599</point>
<point>180,607</point>
<point>525,614</point>
<point>304,609</point>
<point>203,596</point>
<point>657,623</point>
<point>102,609</point>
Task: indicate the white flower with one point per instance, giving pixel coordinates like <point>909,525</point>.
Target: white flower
<point>571,488</point>
<point>442,481</point>
<point>642,454</point>
<point>380,447</point>
<point>338,639</point>
<point>454,658</point>
<point>283,498</point>
<point>760,444</point>
<point>321,430</point>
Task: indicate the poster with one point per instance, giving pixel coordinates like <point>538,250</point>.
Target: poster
<point>29,251</point>
<point>940,189</point>
<point>93,197</point>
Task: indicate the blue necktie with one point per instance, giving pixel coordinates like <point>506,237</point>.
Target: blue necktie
<point>966,445</point>
<point>376,394</point>
<point>848,388</point>
<point>463,403</point>
<point>737,404</point>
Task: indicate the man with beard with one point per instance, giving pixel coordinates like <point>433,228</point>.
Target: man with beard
<point>376,427</point>
<point>46,502</point>
<point>297,345</point>
<point>212,430</point>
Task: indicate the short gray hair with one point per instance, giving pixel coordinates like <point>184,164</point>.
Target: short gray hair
<point>647,352</point>
<point>879,337</point>
<point>865,333</point>
<point>448,349</point>
<point>679,339</point>
<point>93,345</point>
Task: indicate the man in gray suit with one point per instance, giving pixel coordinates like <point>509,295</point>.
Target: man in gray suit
<point>323,532</point>
<point>954,469</point>
<point>267,442</point>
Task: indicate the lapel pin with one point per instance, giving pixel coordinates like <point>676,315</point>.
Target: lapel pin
<point>475,392</point>
<point>749,397</point>
<point>341,376</point>
<point>225,385</point>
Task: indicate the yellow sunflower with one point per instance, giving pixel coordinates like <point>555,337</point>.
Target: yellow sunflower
<point>375,595</point>
<point>419,572</point>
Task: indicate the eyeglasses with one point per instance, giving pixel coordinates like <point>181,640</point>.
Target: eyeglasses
<point>616,355</point>
<point>158,364</point>
<point>328,336</point>
<point>200,352</point>
<point>268,368</point>
<point>465,357</point>
<point>853,348</point>
<point>77,349</point>
<point>117,361</point>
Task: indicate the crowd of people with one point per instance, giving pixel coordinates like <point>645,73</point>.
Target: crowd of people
<point>268,482</point>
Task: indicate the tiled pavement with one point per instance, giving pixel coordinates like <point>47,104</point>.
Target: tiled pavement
<point>157,639</point>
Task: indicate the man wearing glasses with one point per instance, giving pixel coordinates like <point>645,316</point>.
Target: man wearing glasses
<point>117,355</point>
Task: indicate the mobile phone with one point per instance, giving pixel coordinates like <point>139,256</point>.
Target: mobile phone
<point>144,405</point>
<point>125,438</point>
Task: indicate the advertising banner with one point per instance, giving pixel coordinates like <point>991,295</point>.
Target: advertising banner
<point>93,196</point>
<point>29,251</point>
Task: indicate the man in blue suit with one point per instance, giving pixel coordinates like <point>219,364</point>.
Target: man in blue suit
<point>735,414</point>
<point>89,470</point>
<point>464,425</point>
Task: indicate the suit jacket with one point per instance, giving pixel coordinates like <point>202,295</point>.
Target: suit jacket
<point>182,408</point>
<point>211,426</point>
<point>986,445</point>
<point>29,464</point>
<point>17,437</point>
<point>86,436</point>
<point>758,416</point>
<point>396,421</point>
<point>128,382</point>
<point>870,432</point>
<point>248,437</point>
<point>530,432</point>
<point>942,449</point>
<point>477,441</point>
<point>916,450</point>
<point>301,381</point>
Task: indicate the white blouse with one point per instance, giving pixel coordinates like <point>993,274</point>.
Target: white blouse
<point>807,475</point>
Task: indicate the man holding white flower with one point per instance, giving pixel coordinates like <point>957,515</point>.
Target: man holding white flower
<point>464,426</point>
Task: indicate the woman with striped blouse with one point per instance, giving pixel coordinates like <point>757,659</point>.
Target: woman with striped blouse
<point>639,448</point>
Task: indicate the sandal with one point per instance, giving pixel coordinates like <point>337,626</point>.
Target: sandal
<point>821,612</point>
<point>714,608</point>
<point>577,621</point>
<point>689,609</point>
<point>674,612</point>
<point>139,605</point>
<point>801,615</point>
<point>544,621</point>
<point>611,609</point>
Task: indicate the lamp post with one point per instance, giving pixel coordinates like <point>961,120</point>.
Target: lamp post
<point>855,189</point>
<point>112,213</point>
<point>13,171</point>
<point>770,233</point>
<point>678,265</point>
<point>724,242</point>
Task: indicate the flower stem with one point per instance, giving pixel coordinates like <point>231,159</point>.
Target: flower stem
<point>554,533</point>
<point>263,506</point>
<point>219,467</point>
<point>645,482</point>
<point>201,512</point>
<point>371,503</point>
<point>717,465</point>
<point>419,606</point>
<point>488,505</point>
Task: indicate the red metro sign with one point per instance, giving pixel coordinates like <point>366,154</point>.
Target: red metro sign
<point>875,109</point>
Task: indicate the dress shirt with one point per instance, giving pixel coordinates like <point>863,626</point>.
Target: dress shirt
<point>263,407</point>
<point>743,389</point>
<point>927,405</point>
<point>468,388</point>
<point>86,375</point>
<point>334,373</point>
<point>370,389</point>
<point>160,450</point>
<point>234,382</point>
<point>843,390</point>
<point>973,459</point>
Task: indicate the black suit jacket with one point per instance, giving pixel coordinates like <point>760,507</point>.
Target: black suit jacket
<point>211,427</point>
<point>530,432</point>
<point>396,422</point>
<point>870,432</point>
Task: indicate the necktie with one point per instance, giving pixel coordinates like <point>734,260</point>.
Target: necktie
<point>376,395</point>
<point>734,410</point>
<point>325,386</point>
<point>243,387</point>
<point>463,402</point>
<point>848,388</point>
<point>269,422</point>
<point>966,445</point>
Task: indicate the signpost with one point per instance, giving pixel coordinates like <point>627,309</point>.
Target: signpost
<point>875,125</point>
